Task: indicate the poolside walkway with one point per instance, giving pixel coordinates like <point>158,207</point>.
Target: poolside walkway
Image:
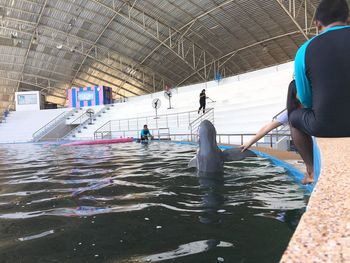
<point>323,234</point>
<point>292,158</point>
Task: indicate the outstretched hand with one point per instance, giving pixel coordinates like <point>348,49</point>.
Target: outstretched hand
<point>243,148</point>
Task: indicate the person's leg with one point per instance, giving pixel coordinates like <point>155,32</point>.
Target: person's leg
<point>303,143</point>
<point>203,108</point>
<point>300,132</point>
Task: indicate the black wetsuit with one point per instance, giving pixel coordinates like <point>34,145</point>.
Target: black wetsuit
<point>322,72</point>
<point>202,101</point>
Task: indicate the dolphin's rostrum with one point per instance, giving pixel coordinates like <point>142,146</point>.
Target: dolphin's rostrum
<point>210,158</point>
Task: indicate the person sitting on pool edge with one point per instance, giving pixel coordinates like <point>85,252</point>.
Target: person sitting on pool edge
<point>322,78</point>
<point>292,104</point>
<point>145,133</point>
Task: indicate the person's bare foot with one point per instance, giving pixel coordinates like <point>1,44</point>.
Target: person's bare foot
<point>308,179</point>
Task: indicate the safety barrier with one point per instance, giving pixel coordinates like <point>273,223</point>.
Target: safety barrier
<point>51,125</point>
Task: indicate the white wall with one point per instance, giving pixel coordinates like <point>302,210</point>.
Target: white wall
<point>27,100</point>
<point>243,103</point>
<point>20,125</point>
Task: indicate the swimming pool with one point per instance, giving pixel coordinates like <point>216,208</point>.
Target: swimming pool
<point>140,203</point>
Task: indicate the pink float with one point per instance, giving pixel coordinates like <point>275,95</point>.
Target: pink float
<point>109,141</point>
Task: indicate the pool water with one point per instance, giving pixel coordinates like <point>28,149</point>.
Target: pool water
<point>140,203</point>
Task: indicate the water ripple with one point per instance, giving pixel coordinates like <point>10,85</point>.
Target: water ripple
<point>133,199</point>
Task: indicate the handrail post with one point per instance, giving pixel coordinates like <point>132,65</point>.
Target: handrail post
<point>241,139</point>
<point>271,140</point>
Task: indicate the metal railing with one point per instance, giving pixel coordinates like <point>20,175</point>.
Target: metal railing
<point>83,121</point>
<point>234,138</point>
<point>160,134</point>
<point>80,119</point>
<point>208,115</point>
<point>180,119</point>
<point>51,125</point>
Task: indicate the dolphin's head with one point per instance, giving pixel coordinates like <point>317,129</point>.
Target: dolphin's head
<point>207,134</point>
<point>209,155</point>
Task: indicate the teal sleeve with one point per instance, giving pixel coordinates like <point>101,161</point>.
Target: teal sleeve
<point>303,85</point>
<point>143,133</point>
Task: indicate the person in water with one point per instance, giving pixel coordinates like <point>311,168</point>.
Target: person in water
<point>202,101</point>
<point>145,133</point>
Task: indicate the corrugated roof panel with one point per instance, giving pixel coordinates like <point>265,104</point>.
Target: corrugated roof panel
<point>75,23</point>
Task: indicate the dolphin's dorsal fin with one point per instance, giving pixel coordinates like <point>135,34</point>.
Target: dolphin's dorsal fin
<point>236,154</point>
<point>193,162</point>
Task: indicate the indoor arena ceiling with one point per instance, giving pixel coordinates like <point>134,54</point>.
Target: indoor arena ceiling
<point>139,46</point>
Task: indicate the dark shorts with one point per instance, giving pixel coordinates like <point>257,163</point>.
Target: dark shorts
<point>302,120</point>
<point>305,120</point>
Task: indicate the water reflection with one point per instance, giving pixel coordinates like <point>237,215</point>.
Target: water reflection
<point>186,250</point>
<point>212,187</point>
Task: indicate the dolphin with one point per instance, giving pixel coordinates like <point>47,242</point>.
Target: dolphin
<point>209,158</point>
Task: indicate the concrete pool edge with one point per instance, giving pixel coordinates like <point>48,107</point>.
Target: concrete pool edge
<point>323,233</point>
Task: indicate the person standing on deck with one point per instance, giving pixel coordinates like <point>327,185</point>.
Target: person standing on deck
<point>202,101</point>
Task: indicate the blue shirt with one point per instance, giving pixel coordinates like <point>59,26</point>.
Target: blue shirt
<point>145,133</point>
<point>303,84</point>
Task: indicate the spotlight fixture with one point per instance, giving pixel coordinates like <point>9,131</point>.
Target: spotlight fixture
<point>71,22</point>
<point>14,35</point>
<point>59,46</point>
<point>35,39</point>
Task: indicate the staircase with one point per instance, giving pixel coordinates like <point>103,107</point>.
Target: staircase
<point>51,126</point>
<point>82,122</point>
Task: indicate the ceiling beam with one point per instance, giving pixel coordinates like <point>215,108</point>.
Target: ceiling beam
<point>292,17</point>
<point>234,52</point>
<point>95,42</point>
<point>108,82</point>
<point>120,79</point>
<point>99,53</point>
<point>156,34</point>
<point>32,38</point>
<point>185,27</point>
<point>32,84</point>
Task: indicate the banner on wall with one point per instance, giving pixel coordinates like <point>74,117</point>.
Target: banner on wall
<point>89,96</point>
<point>27,99</point>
